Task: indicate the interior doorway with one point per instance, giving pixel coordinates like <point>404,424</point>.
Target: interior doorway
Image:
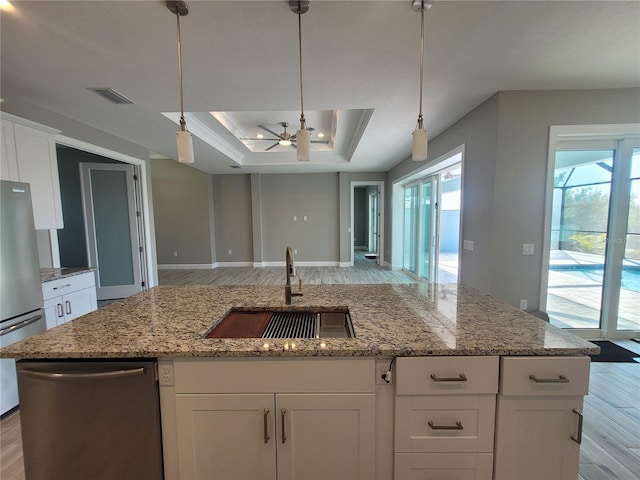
<point>73,241</point>
<point>367,222</point>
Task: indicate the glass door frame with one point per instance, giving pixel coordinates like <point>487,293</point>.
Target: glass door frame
<point>622,139</point>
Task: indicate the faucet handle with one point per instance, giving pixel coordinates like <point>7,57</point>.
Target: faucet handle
<point>300,285</point>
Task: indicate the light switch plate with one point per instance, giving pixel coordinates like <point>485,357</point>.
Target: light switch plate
<point>527,248</point>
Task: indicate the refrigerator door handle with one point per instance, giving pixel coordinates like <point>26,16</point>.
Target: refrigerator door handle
<point>23,323</point>
<point>84,376</point>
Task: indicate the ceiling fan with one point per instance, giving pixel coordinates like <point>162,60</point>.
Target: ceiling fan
<point>284,138</point>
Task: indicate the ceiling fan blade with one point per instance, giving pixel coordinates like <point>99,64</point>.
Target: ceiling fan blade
<point>272,146</point>
<point>320,141</point>
<point>277,135</point>
<point>270,139</point>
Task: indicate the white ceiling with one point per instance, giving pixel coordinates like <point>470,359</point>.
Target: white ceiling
<point>360,61</point>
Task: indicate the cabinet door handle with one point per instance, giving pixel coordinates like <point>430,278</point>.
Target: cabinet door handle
<point>68,305</point>
<point>578,438</point>
<point>60,310</point>
<point>66,285</point>
<point>266,425</point>
<point>460,378</point>
<point>457,426</point>
<point>283,413</point>
<point>560,379</point>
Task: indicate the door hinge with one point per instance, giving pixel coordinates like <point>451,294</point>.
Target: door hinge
<point>140,249</point>
<point>138,213</point>
<point>143,284</point>
<point>135,178</point>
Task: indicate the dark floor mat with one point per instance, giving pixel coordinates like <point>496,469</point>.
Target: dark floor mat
<point>610,352</point>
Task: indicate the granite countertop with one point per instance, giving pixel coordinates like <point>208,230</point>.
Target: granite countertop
<point>388,320</point>
<point>50,274</point>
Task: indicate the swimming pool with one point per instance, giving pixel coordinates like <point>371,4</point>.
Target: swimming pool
<point>630,274</point>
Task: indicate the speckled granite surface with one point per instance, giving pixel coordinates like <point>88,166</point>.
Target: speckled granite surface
<point>388,320</point>
<point>50,274</point>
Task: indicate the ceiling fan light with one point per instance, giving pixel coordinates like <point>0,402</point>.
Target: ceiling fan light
<point>285,142</point>
<point>303,140</point>
<point>184,140</point>
<point>419,153</point>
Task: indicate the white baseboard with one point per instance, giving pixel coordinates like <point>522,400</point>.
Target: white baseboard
<point>234,264</point>
<point>299,263</point>
<point>186,266</point>
<point>346,264</point>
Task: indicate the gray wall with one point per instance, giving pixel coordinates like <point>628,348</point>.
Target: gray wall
<point>478,132</point>
<point>232,214</point>
<point>286,196</point>
<point>521,165</point>
<point>182,199</point>
<point>506,146</point>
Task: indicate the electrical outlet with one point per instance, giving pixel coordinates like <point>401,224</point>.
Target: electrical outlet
<point>175,254</point>
<point>523,304</point>
<point>166,374</point>
<point>229,252</point>
<point>382,367</point>
<point>295,252</point>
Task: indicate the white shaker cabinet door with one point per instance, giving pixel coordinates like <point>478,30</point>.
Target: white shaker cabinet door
<point>38,166</point>
<point>326,436</point>
<point>537,438</point>
<point>226,437</point>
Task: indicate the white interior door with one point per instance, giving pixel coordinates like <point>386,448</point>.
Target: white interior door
<point>109,204</point>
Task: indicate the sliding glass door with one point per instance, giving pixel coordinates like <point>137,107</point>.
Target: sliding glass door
<point>593,278</point>
<point>410,256</point>
<point>432,225</point>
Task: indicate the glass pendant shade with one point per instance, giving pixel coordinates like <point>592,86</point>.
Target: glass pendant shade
<point>303,141</point>
<point>185,146</point>
<point>419,153</point>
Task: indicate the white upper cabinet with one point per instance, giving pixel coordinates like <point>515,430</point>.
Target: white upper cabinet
<point>29,155</point>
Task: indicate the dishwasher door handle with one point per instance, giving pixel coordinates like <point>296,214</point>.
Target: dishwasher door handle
<point>84,376</point>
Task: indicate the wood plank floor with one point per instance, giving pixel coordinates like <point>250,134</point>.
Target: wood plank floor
<point>363,271</point>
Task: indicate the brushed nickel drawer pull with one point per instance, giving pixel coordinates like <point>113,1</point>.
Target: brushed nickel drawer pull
<point>266,425</point>
<point>461,378</point>
<point>578,438</point>
<point>284,436</point>
<point>560,379</point>
<point>457,426</point>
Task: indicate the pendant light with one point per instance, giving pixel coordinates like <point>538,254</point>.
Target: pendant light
<point>419,151</point>
<point>184,139</point>
<point>303,136</point>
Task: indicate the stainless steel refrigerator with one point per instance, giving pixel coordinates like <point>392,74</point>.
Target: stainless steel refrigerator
<point>21,306</point>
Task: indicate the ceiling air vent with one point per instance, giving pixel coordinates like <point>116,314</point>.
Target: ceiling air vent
<point>111,95</point>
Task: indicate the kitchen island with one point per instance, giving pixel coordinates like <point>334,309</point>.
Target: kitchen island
<point>462,363</point>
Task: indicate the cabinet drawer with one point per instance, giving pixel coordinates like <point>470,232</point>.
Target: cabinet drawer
<point>439,423</point>
<point>62,286</point>
<point>545,376</point>
<point>454,466</point>
<point>446,375</point>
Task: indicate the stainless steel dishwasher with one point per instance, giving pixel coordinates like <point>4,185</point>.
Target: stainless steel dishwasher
<point>90,420</point>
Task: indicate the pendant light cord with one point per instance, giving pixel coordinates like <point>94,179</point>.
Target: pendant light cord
<point>302,119</point>
<point>183,122</point>
<point>421,61</point>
